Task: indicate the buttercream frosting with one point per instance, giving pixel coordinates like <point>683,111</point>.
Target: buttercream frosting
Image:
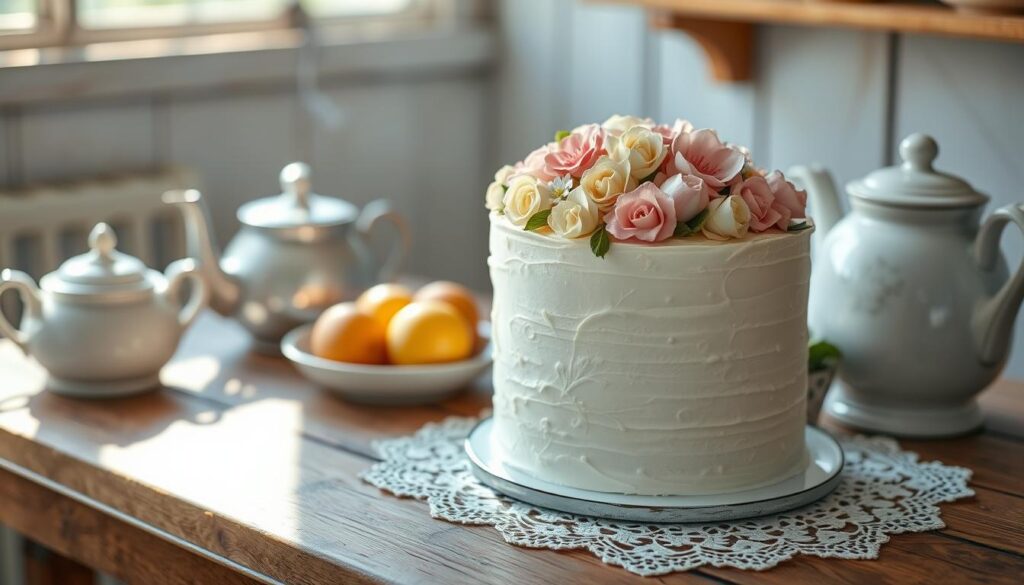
<point>674,368</point>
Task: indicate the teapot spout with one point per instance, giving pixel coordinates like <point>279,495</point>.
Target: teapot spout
<point>225,290</point>
<point>821,190</point>
<point>993,318</point>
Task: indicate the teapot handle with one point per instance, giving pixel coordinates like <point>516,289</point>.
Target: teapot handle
<point>26,288</point>
<point>993,320</point>
<point>177,273</point>
<point>372,214</point>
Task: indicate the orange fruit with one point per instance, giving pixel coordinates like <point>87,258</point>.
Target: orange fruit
<point>342,333</point>
<point>384,300</point>
<point>428,332</point>
<point>454,294</point>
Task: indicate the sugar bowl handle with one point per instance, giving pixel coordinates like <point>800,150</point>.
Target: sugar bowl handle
<point>24,285</point>
<point>376,212</point>
<point>177,273</point>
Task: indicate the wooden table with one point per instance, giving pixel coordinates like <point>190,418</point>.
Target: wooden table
<point>240,471</point>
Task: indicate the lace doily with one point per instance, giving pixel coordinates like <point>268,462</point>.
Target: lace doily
<point>884,491</point>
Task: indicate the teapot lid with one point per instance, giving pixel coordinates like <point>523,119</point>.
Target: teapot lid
<point>915,182</point>
<point>297,205</point>
<point>101,269</point>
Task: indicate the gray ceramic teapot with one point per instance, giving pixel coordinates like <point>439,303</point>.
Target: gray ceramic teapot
<point>914,292</point>
<point>296,254</point>
<point>103,324</point>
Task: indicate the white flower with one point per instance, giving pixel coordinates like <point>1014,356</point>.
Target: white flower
<point>560,186</point>
<point>606,180</point>
<point>642,147</point>
<point>618,124</point>
<point>728,217</point>
<point>504,174</point>
<point>495,196</point>
<point>525,196</point>
<point>574,217</point>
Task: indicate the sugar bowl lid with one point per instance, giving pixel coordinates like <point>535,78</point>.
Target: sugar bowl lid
<point>103,269</point>
<point>297,205</point>
<point>915,182</point>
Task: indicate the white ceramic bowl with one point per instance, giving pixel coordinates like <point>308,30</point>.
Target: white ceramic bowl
<point>387,385</point>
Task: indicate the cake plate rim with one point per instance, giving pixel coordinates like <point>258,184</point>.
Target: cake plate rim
<point>820,477</point>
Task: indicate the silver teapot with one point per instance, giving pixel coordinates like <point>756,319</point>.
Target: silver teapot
<point>296,254</point>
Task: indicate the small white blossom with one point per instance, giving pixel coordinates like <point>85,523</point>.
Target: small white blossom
<point>560,186</point>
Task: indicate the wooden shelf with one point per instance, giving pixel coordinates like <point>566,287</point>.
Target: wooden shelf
<point>713,23</point>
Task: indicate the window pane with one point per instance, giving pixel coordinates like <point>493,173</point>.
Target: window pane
<point>17,15</point>
<point>149,13</point>
<point>356,7</point>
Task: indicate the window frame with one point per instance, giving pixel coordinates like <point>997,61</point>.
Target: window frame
<point>57,26</point>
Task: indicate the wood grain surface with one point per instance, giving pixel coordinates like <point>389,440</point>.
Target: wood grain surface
<point>909,17</point>
<point>238,470</point>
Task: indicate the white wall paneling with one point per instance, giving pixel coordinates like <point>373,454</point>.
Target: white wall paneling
<point>238,145</point>
<point>62,144</point>
<point>6,138</point>
<point>824,96</point>
<point>600,56</point>
<point>970,96</point>
<point>449,220</point>
<point>531,85</point>
<point>688,92</point>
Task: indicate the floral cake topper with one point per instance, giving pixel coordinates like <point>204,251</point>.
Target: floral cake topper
<point>630,179</point>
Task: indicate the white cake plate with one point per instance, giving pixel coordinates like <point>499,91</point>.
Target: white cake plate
<point>821,476</point>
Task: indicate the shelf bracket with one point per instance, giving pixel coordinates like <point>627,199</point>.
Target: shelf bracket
<point>728,45</point>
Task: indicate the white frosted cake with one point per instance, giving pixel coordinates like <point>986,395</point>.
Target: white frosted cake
<point>655,360</point>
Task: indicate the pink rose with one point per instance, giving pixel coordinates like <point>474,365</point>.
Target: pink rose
<point>576,152</point>
<point>701,153</point>
<point>758,196</point>
<point>644,214</point>
<point>535,165</point>
<point>789,201</point>
<point>688,193</point>
<point>669,133</point>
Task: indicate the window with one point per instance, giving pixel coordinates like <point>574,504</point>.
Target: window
<point>17,15</point>
<point>39,23</point>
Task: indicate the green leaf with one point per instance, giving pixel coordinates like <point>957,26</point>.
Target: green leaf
<point>821,355</point>
<point>599,242</point>
<point>698,221</point>
<point>724,191</point>
<point>561,134</point>
<point>537,220</point>
<point>798,227</point>
<point>688,228</point>
<point>649,177</point>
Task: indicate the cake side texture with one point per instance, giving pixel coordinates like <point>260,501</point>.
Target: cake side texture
<point>677,368</point>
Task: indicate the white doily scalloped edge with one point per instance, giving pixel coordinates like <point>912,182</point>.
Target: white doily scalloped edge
<point>884,491</point>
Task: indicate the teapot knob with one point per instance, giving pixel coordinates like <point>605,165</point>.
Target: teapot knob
<point>918,151</point>
<point>102,240</point>
<point>295,180</point>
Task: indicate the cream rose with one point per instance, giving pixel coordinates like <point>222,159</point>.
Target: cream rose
<point>574,217</point>
<point>728,217</point>
<point>495,196</point>
<point>617,124</point>
<point>504,174</point>
<point>525,196</point>
<point>606,180</point>
<point>642,147</point>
